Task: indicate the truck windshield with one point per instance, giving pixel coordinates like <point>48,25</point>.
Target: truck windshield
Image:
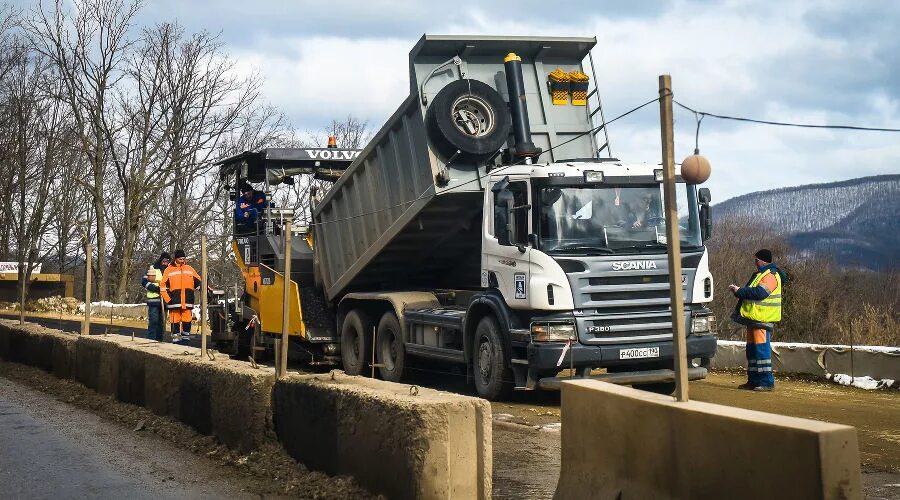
<point>613,219</point>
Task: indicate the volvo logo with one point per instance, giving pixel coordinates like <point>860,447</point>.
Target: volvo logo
<point>332,154</point>
<point>630,265</point>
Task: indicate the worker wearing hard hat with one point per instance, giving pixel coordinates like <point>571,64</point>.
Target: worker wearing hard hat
<point>759,309</point>
<point>179,281</point>
<point>151,282</point>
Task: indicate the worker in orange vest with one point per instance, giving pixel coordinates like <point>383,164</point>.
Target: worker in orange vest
<point>177,287</point>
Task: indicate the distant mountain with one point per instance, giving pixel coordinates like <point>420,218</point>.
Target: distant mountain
<point>857,222</point>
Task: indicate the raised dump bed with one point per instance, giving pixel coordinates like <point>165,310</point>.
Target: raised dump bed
<point>408,211</point>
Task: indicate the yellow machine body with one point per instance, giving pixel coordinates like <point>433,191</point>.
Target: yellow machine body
<point>265,288</point>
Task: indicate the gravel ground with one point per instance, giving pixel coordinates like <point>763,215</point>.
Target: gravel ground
<point>527,441</point>
<point>138,441</point>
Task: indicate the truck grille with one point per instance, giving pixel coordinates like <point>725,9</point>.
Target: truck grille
<point>618,328</point>
<point>622,306</point>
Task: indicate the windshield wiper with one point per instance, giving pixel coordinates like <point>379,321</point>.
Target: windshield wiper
<point>582,248</point>
<point>644,245</point>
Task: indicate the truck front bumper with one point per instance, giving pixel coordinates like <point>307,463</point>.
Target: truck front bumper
<point>625,378</point>
<point>543,359</point>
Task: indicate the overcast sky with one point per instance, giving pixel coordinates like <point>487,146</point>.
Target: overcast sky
<point>821,62</point>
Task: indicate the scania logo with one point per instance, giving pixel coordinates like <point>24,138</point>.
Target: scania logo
<point>332,154</point>
<point>630,265</point>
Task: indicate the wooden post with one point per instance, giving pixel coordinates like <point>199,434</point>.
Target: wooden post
<point>286,303</point>
<point>204,282</point>
<point>22,294</point>
<point>278,371</point>
<point>86,325</point>
<point>673,239</point>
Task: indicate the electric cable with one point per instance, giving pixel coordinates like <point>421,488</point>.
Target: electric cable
<point>785,124</point>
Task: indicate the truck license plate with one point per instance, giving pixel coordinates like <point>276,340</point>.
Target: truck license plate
<point>642,352</point>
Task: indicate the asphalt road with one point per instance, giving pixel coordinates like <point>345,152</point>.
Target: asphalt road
<point>49,449</point>
<point>528,424</point>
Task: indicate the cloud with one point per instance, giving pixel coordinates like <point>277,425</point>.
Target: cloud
<point>316,80</point>
<point>822,61</point>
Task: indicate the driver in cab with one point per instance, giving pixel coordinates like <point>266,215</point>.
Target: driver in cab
<point>249,205</point>
<point>640,206</point>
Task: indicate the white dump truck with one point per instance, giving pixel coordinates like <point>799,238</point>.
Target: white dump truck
<point>482,225</point>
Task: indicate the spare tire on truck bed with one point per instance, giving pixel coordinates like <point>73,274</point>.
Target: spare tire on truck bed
<point>470,117</point>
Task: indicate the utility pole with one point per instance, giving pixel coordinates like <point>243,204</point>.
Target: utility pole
<point>673,239</point>
<point>285,311</point>
<point>86,325</point>
<point>204,283</point>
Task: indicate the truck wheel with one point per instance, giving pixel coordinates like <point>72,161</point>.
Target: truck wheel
<point>490,362</point>
<point>243,342</point>
<point>667,388</point>
<point>228,347</point>
<point>469,116</point>
<point>390,352</point>
<point>356,341</point>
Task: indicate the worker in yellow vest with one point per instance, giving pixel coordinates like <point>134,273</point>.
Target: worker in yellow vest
<point>758,309</point>
<point>151,282</point>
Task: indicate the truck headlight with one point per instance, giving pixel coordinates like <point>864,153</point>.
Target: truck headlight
<point>703,325</point>
<point>552,332</point>
<point>593,176</point>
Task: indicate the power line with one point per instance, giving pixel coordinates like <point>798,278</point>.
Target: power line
<point>784,124</point>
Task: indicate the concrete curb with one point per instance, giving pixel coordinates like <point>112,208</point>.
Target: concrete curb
<point>428,445</point>
<point>373,430</point>
<point>619,442</point>
<point>817,360</point>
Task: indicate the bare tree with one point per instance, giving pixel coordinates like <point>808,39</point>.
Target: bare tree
<point>87,47</point>
<point>34,127</point>
<point>10,56</point>
<point>207,100</point>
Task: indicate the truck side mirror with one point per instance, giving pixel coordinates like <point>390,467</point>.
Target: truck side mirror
<point>704,198</point>
<point>503,202</point>
<point>503,216</point>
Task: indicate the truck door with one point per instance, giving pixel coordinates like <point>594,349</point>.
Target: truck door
<point>505,250</point>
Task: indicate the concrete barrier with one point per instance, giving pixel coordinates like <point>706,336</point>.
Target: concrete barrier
<point>224,398</point>
<point>439,443</point>
<point>818,360</point>
<point>431,445</point>
<point>618,442</point>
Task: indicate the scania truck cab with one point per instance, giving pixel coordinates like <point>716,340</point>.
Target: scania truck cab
<point>576,253</point>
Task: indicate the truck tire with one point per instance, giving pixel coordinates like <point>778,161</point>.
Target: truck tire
<point>667,388</point>
<point>490,361</point>
<point>469,116</point>
<point>356,342</point>
<point>242,342</point>
<point>389,349</point>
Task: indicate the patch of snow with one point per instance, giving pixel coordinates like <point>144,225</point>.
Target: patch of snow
<point>793,345</point>
<point>109,305</point>
<point>866,382</point>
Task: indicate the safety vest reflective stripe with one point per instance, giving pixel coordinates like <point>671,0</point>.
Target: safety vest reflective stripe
<point>763,303</point>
